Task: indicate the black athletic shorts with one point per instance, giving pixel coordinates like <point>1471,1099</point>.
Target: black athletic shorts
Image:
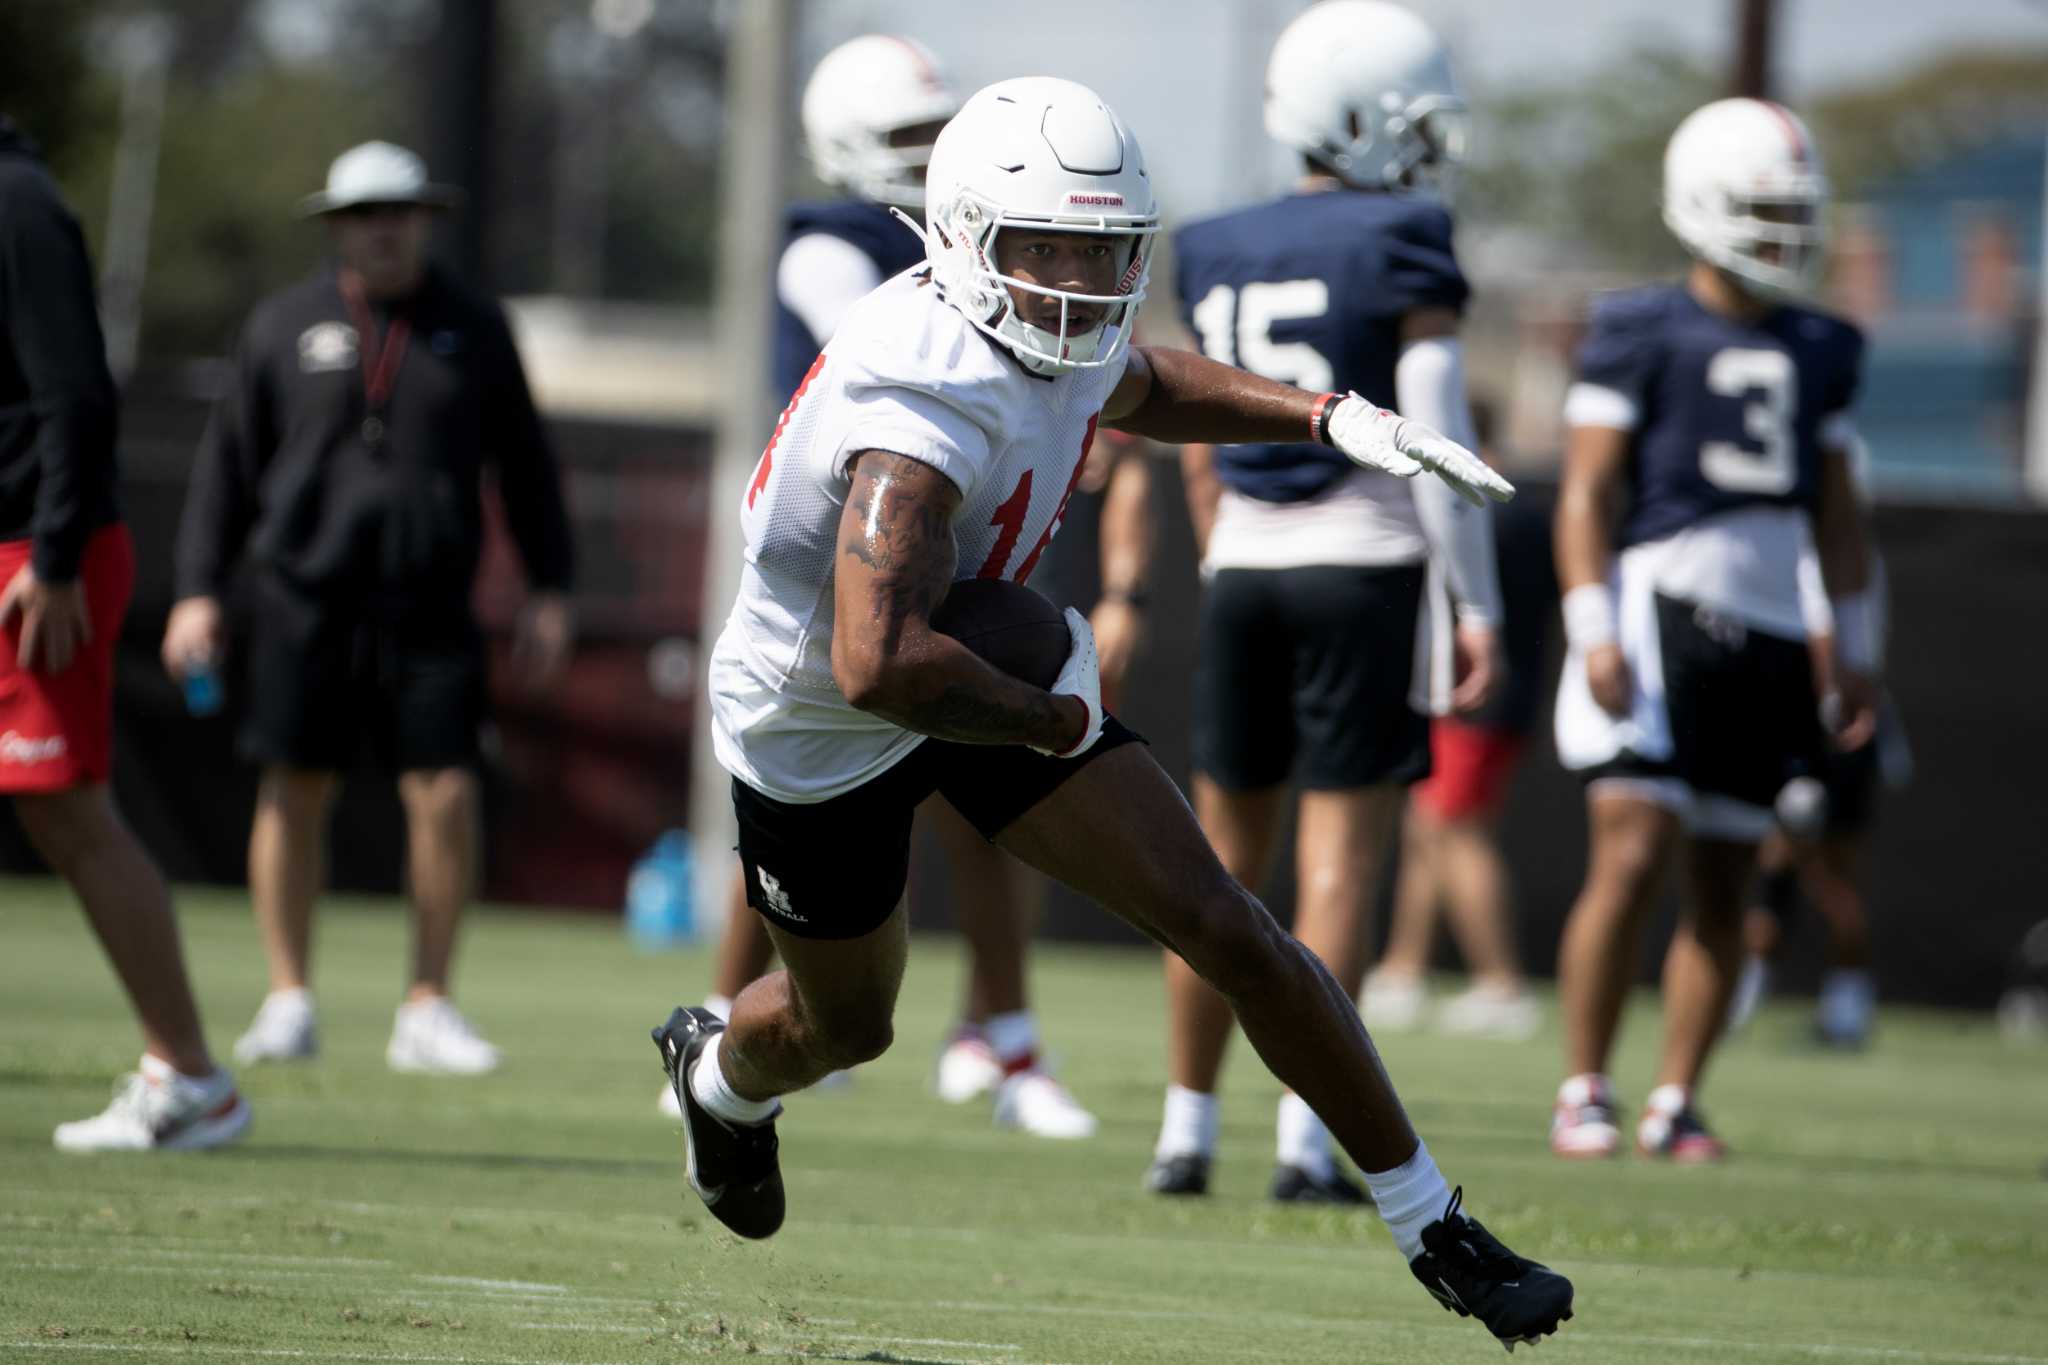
<point>1305,673</point>
<point>837,868</point>
<point>330,687</point>
<point>1743,713</point>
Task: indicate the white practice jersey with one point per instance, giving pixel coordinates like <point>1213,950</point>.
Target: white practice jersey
<point>905,373</point>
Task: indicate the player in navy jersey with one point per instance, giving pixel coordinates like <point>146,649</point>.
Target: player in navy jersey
<point>871,111</point>
<point>1709,432</point>
<point>1315,666</point>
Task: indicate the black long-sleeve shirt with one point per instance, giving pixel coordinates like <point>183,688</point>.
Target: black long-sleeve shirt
<point>287,476</point>
<point>57,406</point>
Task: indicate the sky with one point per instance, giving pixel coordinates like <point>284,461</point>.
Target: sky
<point>1186,74</point>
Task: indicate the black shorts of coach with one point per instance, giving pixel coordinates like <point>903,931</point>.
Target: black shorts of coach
<point>837,868</point>
<point>333,684</point>
<point>1305,674</point>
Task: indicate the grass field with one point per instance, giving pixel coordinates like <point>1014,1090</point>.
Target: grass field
<point>1888,1207</point>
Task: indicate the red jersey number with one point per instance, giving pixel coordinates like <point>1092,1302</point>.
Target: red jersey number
<point>1009,518</point>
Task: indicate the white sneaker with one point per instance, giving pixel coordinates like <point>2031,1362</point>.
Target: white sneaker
<point>282,1030</point>
<point>156,1109</point>
<point>1039,1105</point>
<point>431,1035</point>
<point>1510,1015</point>
<point>968,1069</point>
<point>1394,1002</point>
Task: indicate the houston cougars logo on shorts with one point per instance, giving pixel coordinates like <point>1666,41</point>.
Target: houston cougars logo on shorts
<point>26,752</point>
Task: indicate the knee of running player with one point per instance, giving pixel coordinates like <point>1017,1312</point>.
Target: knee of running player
<point>849,1033</point>
<point>1228,937</point>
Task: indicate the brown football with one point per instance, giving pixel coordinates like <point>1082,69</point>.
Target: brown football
<point>1008,625</point>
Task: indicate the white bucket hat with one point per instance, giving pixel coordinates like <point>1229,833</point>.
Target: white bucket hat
<point>378,173</point>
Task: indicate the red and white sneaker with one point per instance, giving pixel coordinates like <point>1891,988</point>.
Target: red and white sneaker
<point>968,1069</point>
<point>156,1109</point>
<point>1673,1129</point>
<point>1584,1123</point>
<point>1035,1103</point>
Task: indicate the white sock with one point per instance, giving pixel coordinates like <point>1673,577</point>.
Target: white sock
<point>1410,1197</point>
<point>1303,1141</point>
<point>1584,1089</point>
<point>709,1086</point>
<point>720,1005</point>
<point>1012,1036</point>
<point>1189,1125</point>
<point>298,997</point>
<point>1668,1099</point>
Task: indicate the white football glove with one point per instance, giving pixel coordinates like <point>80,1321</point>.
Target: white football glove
<point>1082,677</point>
<point>1378,439</point>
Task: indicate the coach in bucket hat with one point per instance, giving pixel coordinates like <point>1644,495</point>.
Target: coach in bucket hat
<point>378,173</point>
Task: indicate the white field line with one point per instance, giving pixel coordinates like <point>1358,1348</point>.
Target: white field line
<point>473,1282</point>
<point>212,1352</point>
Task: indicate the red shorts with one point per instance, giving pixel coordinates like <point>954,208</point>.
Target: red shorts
<point>1469,769</point>
<point>57,730</point>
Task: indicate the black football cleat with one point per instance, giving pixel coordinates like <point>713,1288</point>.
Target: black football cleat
<point>1470,1273</point>
<point>731,1166</point>
<point>1187,1173</point>
<point>1293,1185</point>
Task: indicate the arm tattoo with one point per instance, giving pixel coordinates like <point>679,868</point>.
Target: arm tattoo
<point>904,540</point>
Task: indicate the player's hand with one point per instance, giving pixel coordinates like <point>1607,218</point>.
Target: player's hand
<point>1476,651</point>
<point>193,635</point>
<point>1378,439</point>
<point>544,639</point>
<point>1850,710</point>
<point>1119,627</point>
<point>1082,680</point>
<point>1607,675</point>
<point>54,621</point>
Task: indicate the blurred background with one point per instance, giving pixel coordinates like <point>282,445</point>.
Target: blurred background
<point>597,141</point>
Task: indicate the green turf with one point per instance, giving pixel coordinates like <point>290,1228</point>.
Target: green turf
<point>1887,1207</point>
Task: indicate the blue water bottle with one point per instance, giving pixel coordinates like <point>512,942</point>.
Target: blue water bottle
<point>659,892</point>
<point>202,686</point>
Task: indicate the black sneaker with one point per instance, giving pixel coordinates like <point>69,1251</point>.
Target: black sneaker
<point>1293,1185</point>
<point>1187,1173</point>
<point>1474,1276</point>
<point>731,1166</point>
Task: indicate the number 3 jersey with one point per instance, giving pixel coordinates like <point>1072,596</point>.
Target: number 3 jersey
<point>905,373</point>
<point>1726,421</point>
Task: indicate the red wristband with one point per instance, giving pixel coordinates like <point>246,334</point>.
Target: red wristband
<point>1319,418</point>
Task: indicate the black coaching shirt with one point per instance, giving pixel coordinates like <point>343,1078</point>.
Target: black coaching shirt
<point>317,489</point>
<point>57,406</point>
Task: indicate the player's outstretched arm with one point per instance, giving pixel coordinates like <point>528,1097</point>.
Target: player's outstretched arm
<point>896,559</point>
<point>1588,498</point>
<point>1178,396</point>
<point>1841,538</point>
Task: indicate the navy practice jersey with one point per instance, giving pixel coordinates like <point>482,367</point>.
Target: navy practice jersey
<point>1310,290</point>
<point>1726,414</point>
<point>893,248</point>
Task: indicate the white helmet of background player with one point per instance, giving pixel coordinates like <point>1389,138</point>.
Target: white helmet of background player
<point>1364,89</point>
<point>870,112</point>
<point>1044,154</point>
<point>1743,188</point>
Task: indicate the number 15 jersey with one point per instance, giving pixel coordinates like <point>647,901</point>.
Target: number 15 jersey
<point>1727,421</point>
<point>905,373</point>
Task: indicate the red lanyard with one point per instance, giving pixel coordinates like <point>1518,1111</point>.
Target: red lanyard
<point>381,358</point>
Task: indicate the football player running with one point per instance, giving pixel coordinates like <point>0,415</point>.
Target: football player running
<point>1709,425</point>
<point>937,438</point>
<point>1315,567</point>
<point>871,111</point>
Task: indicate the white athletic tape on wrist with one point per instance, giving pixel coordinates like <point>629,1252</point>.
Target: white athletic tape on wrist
<point>1589,617</point>
<point>1855,630</point>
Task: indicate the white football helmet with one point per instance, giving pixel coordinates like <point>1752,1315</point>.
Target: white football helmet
<point>1364,88</point>
<point>867,115</point>
<point>1743,188</point>
<point>1046,154</point>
